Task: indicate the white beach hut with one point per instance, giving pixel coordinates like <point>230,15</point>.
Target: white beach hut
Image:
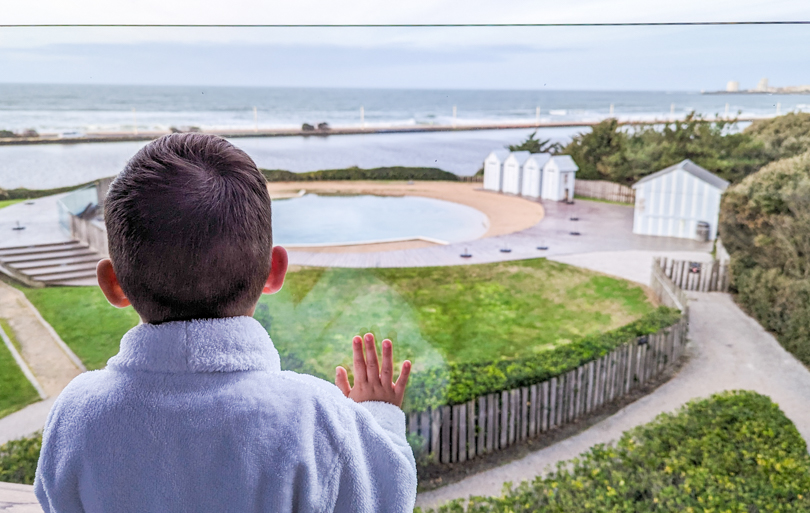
<point>679,201</point>
<point>533,174</point>
<point>559,175</point>
<point>512,167</point>
<point>493,170</point>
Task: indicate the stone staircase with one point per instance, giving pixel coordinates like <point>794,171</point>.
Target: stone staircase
<point>64,263</point>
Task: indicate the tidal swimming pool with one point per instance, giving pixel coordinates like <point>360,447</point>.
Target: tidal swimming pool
<point>324,220</point>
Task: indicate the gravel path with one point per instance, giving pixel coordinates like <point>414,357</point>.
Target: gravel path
<point>728,350</point>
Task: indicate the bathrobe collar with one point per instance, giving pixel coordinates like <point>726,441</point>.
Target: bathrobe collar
<point>229,344</point>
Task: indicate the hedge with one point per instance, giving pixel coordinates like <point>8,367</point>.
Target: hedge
<point>456,383</point>
<point>765,226</point>
<point>18,459</point>
<point>733,452</point>
<point>355,173</point>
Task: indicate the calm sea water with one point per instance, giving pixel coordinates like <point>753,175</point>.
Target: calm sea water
<point>340,219</point>
<point>54,108</point>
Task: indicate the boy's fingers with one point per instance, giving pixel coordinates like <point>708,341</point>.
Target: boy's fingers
<point>372,366</point>
<point>342,381</point>
<point>402,382</point>
<point>387,375</point>
<point>359,361</point>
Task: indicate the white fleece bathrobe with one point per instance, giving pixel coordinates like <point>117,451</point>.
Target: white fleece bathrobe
<point>198,416</point>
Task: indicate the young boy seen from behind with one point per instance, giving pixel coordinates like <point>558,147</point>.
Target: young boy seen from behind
<point>194,413</point>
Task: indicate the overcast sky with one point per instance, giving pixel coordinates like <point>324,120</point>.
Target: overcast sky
<point>624,58</point>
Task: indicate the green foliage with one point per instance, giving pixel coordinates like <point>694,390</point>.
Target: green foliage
<point>355,173</point>
<point>7,133</point>
<point>8,203</point>
<point>533,145</point>
<point>459,382</point>
<point>84,320</point>
<point>18,459</point>
<point>15,389</point>
<point>24,194</point>
<point>783,136</point>
<point>765,226</point>
<point>733,452</point>
<point>624,155</point>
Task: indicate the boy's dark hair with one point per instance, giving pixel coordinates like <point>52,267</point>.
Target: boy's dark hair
<point>189,231</point>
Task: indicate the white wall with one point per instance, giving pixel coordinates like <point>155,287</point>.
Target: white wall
<point>671,206</point>
<point>511,175</point>
<point>492,173</point>
<point>532,179</point>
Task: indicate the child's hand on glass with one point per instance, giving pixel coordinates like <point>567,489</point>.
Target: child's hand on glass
<point>373,382</point>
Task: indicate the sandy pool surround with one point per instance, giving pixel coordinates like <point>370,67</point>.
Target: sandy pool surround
<point>506,214</point>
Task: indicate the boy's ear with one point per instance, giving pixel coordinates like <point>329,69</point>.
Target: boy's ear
<point>108,282</point>
<point>278,270</point>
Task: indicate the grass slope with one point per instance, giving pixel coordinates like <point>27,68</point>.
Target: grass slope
<point>434,314</point>
<point>15,389</point>
<point>8,203</point>
<point>437,314</point>
<point>85,320</point>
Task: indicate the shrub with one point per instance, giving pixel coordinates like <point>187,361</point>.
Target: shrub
<point>18,459</point>
<point>735,451</point>
<point>456,383</point>
<point>355,173</point>
<point>765,226</point>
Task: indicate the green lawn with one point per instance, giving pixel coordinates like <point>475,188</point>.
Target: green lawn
<point>8,203</point>
<point>15,389</point>
<point>470,313</point>
<point>85,320</point>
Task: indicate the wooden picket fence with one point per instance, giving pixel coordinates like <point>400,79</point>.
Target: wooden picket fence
<point>600,189</point>
<point>698,276</point>
<point>666,291</point>
<point>496,421</point>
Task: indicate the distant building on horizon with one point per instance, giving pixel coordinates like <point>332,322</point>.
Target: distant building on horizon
<point>733,86</point>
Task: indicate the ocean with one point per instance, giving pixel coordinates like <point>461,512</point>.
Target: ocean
<point>57,108</point>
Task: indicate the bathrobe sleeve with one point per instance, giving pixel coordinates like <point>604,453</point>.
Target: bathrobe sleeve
<point>377,472</point>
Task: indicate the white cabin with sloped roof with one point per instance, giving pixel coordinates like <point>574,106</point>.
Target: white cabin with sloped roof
<point>493,170</point>
<point>533,174</point>
<point>512,171</point>
<point>676,201</point>
<point>559,175</point>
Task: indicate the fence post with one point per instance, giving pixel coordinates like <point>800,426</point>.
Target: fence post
<point>524,413</point>
<point>514,415</point>
<point>545,406</point>
<point>482,424</point>
<point>504,419</point>
<point>471,429</point>
<point>462,433</point>
<point>446,427</point>
<point>533,410</point>
<point>492,422</point>
<point>552,406</point>
<point>435,427</point>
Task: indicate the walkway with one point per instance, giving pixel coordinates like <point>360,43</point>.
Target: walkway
<point>600,227</point>
<point>729,350</point>
<point>46,355</point>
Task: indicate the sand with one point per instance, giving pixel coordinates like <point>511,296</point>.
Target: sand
<point>506,214</point>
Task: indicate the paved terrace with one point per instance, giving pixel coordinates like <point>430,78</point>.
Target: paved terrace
<point>602,227</point>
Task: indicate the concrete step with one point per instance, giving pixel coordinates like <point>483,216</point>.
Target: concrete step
<point>75,282</point>
<point>36,250</point>
<point>61,277</point>
<point>42,257</point>
<point>60,269</point>
<point>39,264</point>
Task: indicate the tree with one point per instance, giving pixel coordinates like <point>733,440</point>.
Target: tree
<point>533,145</point>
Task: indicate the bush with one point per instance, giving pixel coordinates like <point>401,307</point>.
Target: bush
<point>18,459</point>
<point>765,226</point>
<point>783,136</point>
<point>735,451</point>
<point>355,173</point>
<point>457,383</point>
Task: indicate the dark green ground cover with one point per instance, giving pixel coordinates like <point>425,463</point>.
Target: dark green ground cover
<point>15,389</point>
<point>18,459</point>
<point>733,452</point>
